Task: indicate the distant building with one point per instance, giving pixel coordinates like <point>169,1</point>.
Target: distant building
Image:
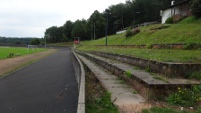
<point>182,8</point>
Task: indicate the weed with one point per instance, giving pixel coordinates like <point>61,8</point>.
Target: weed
<point>196,75</point>
<point>148,46</point>
<point>148,69</point>
<point>185,97</point>
<point>160,78</point>
<point>134,92</point>
<point>128,74</point>
<point>97,98</point>
<point>10,55</point>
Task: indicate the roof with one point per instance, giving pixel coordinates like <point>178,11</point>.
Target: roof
<point>177,4</point>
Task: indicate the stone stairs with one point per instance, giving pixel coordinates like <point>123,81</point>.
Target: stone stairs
<point>131,87</point>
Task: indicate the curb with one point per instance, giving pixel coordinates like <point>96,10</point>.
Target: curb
<point>80,74</point>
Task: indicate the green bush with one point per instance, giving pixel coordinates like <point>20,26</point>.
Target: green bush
<point>128,32</point>
<point>169,20</point>
<point>131,32</point>
<point>185,97</point>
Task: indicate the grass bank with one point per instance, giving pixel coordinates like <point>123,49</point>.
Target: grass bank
<point>187,31</point>
<point>165,55</point>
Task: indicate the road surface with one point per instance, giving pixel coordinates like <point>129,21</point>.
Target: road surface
<point>47,86</point>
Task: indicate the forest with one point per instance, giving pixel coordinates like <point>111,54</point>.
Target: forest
<point>115,17</point>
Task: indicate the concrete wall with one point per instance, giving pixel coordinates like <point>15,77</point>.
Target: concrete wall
<point>165,15</point>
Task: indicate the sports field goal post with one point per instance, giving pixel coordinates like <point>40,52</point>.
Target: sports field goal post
<point>33,47</point>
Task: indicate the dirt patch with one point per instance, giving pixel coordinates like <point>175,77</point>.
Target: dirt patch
<point>134,108</point>
<point>11,64</point>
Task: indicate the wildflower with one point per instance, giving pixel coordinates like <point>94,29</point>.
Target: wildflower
<point>182,108</point>
<point>179,88</point>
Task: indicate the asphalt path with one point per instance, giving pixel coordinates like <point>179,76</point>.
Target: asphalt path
<point>47,86</point>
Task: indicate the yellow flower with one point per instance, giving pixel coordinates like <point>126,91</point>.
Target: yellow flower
<point>179,88</point>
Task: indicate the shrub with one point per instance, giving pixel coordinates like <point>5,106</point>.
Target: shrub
<point>128,32</point>
<point>185,97</point>
<point>131,32</point>
<point>169,20</point>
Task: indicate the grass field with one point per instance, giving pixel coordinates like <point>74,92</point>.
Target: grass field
<point>17,51</point>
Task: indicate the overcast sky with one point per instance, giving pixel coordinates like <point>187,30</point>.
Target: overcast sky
<point>30,18</point>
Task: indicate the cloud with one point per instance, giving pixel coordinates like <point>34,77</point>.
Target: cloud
<point>30,18</point>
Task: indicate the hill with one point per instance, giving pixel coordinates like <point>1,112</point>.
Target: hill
<point>186,31</point>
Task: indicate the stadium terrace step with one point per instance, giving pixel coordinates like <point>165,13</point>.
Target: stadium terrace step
<point>144,83</point>
<point>169,69</point>
<point>122,95</point>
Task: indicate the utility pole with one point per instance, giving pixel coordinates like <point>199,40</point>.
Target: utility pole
<point>94,31</point>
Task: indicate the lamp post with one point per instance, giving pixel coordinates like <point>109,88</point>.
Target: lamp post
<point>135,15</point>
<point>106,29</point>
<point>46,39</point>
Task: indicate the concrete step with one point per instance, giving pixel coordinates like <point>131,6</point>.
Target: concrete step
<point>146,84</point>
<point>121,94</point>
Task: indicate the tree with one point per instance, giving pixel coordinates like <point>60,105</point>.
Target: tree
<point>79,30</point>
<point>67,29</point>
<point>55,34</point>
<point>35,42</point>
<point>96,25</point>
<point>196,8</point>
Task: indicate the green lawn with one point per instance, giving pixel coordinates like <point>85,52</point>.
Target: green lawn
<point>166,55</point>
<point>19,51</point>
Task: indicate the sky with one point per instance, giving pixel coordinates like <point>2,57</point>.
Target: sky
<point>30,18</point>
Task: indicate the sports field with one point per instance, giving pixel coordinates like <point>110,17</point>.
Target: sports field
<point>6,52</point>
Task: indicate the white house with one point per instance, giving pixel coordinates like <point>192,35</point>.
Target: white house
<point>181,8</point>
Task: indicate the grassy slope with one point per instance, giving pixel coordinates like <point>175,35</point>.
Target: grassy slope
<point>152,54</point>
<point>187,31</point>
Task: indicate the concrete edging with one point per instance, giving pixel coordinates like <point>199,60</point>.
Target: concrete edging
<point>80,75</point>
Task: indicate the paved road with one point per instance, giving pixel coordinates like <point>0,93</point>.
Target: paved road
<point>47,86</point>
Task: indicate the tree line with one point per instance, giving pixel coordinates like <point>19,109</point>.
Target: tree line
<point>118,16</point>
